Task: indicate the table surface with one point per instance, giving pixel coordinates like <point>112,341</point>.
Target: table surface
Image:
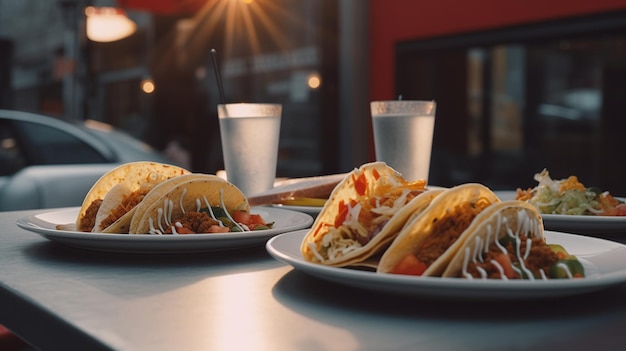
<point>58,297</point>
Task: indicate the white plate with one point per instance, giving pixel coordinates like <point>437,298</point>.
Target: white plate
<point>312,210</point>
<point>604,262</point>
<point>45,224</point>
<point>575,223</point>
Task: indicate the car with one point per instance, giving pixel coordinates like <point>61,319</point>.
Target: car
<point>46,162</point>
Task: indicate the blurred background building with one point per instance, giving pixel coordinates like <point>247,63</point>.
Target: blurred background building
<point>520,86</point>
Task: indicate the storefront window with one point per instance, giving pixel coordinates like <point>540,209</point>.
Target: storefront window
<point>527,100</point>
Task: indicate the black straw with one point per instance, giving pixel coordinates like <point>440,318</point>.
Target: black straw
<point>217,76</point>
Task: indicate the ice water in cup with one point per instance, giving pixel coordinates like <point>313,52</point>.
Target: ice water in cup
<point>250,135</point>
<point>403,134</point>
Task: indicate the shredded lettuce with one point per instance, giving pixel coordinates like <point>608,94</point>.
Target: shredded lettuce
<point>565,196</point>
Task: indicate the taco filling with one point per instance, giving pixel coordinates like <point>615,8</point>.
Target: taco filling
<point>128,202</point>
<point>511,245</point>
<point>204,219</point>
<point>88,221</point>
<point>359,220</point>
<point>445,231</point>
<point>520,257</point>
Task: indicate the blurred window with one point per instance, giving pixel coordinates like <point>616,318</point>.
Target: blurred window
<point>514,101</point>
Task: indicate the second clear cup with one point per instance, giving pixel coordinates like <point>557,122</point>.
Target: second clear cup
<point>403,135</point>
<point>250,134</point>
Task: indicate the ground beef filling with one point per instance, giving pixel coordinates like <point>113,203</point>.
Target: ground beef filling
<point>89,219</point>
<point>446,230</point>
<point>127,204</point>
<point>194,222</point>
<point>541,257</point>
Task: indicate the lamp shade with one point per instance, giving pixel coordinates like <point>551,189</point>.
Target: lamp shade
<point>106,24</point>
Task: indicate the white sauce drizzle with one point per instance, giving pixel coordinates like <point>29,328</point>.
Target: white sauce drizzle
<point>500,269</point>
<point>208,205</point>
<point>180,200</point>
<point>164,215</point>
<point>476,256</point>
<point>152,230</point>
<point>487,239</point>
<point>176,225</point>
<point>167,211</point>
<point>528,245</point>
<point>228,214</point>
<point>466,258</point>
<point>564,267</point>
<point>525,225</point>
<point>482,271</point>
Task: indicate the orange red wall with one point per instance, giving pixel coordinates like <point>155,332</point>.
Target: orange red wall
<point>399,20</point>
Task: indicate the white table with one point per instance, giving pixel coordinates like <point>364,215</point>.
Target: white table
<point>60,298</point>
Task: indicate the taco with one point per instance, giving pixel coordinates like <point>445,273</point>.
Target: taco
<point>110,203</point>
<point>159,190</point>
<point>509,243</point>
<point>363,215</point>
<point>200,204</point>
<point>428,242</point>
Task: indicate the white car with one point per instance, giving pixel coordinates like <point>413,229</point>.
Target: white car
<point>46,162</point>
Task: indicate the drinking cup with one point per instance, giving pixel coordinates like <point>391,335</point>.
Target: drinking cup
<point>403,135</point>
<point>250,134</point>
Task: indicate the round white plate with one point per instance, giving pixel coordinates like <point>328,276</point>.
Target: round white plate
<point>45,224</point>
<point>604,262</point>
<point>577,224</point>
<point>312,210</point>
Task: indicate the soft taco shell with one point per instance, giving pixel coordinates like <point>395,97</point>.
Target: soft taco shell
<point>436,234</point>
<point>513,216</point>
<point>124,179</point>
<point>159,190</point>
<point>206,189</point>
<point>325,245</point>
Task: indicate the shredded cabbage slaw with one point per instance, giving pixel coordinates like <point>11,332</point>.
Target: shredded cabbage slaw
<point>363,216</point>
<point>570,197</point>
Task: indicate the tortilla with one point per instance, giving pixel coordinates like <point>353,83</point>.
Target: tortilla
<point>190,195</point>
<point>108,203</point>
<point>497,248</point>
<point>159,190</point>
<point>363,215</point>
<point>428,242</point>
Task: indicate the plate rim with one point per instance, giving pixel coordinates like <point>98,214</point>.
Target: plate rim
<point>454,287</point>
<point>104,241</point>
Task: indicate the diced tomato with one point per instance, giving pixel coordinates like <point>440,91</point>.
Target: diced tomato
<point>342,212</point>
<point>360,184</point>
<point>251,220</point>
<point>505,262</point>
<point>241,216</point>
<point>410,265</point>
<point>256,219</point>
<point>376,174</point>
